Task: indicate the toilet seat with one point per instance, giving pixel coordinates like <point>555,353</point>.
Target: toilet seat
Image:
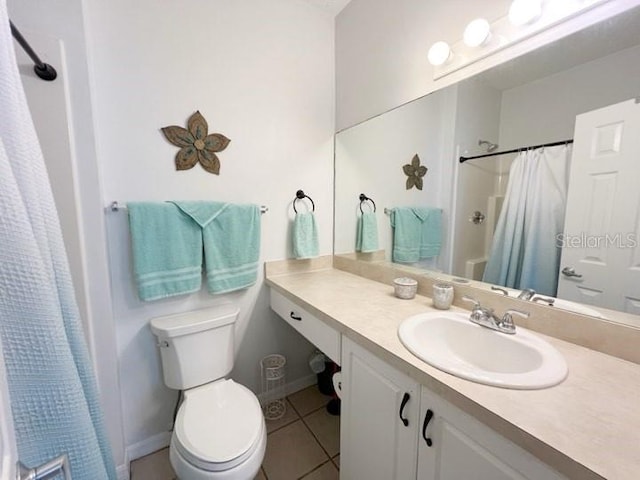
<point>218,426</point>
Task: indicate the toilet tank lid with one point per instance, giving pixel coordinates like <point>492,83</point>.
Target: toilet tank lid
<point>194,321</point>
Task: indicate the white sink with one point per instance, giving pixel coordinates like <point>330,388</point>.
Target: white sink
<point>450,342</point>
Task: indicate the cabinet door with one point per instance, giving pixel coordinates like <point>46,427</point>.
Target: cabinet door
<point>375,442</point>
<point>461,447</point>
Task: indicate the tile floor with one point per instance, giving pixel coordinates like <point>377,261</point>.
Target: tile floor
<point>304,444</point>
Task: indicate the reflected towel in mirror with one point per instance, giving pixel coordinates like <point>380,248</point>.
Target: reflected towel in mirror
<point>417,233</point>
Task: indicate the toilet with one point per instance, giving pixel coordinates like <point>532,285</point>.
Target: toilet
<point>219,432</point>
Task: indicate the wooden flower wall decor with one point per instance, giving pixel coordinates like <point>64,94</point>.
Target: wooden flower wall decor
<point>414,172</point>
<point>196,145</point>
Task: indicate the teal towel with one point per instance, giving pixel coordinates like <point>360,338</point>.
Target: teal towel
<point>417,233</point>
<point>231,238</point>
<point>367,233</point>
<point>167,250</point>
<point>305,235</point>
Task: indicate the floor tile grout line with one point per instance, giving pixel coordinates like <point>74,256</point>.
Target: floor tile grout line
<point>284,425</point>
<point>317,439</point>
<point>314,469</point>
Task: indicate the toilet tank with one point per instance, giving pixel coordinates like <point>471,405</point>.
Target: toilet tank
<point>196,347</point>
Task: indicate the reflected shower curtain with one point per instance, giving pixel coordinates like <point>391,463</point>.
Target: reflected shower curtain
<point>525,252</point>
<point>54,398</point>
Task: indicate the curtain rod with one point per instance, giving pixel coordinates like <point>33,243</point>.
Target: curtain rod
<point>516,150</point>
<point>43,70</point>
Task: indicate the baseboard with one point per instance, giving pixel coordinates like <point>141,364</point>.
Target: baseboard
<point>147,446</point>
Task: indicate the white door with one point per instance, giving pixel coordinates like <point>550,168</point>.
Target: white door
<point>8,450</point>
<point>600,262</point>
<point>375,442</point>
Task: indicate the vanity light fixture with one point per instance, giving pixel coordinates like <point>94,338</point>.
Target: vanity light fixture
<point>523,12</point>
<point>477,33</point>
<point>439,53</point>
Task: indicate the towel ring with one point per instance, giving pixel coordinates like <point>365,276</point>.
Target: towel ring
<point>300,195</point>
<point>363,198</point>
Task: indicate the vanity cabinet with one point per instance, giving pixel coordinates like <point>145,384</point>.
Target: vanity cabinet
<point>379,418</point>
<point>393,428</point>
<point>453,445</point>
<point>312,328</point>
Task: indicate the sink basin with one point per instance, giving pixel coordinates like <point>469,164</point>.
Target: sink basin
<point>450,342</point>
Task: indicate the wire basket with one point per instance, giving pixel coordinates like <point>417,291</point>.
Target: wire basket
<point>272,369</point>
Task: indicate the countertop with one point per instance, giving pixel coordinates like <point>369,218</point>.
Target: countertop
<point>586,427</point>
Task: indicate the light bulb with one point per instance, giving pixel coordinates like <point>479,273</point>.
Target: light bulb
<point>477,33</point>
<point>522,12</point>
<point>439,53</point>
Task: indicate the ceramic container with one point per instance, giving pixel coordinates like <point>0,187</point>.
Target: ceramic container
<point>405,287</point>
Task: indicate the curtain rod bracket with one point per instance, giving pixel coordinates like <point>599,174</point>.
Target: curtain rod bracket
<point>42,70</point>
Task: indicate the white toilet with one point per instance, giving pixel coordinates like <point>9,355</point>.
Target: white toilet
<point>219,431</point>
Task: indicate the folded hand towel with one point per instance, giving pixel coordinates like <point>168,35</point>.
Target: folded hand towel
<point>417,233</point>
<point>167,250</point>
<point>231,237</point>
<point>305,235</point>
<point>367,233</point>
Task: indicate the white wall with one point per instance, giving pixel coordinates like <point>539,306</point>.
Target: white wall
<point>381,59</point>
<point>545,110</point>
<point>261,73</point>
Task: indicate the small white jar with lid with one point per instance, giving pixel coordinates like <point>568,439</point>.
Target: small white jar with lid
<point>405,287</point>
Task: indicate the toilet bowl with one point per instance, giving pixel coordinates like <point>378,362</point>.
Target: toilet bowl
<point>219,431</point>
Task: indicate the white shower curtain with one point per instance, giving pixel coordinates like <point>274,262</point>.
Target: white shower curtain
<point>525,252</point>
<point>54,399</point>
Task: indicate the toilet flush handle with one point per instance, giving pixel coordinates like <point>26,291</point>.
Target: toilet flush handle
<point>162,344</point>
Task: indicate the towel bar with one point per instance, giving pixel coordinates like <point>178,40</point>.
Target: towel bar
<point>116,207</point>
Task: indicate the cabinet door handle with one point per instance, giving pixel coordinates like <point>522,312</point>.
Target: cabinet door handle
<point>427,419</point>
<point>294,316</point>
<point>405,399</point>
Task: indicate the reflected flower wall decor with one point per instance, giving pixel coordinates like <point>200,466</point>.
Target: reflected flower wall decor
<point>414,172</point>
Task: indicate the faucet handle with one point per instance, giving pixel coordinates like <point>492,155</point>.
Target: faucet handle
<point>501,290</point>
<point>476,304</point>
<point>548,301</point>
<point>507,324</point>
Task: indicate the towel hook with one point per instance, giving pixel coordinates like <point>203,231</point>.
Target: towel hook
<point>363,198</point>
<point>300,195</point>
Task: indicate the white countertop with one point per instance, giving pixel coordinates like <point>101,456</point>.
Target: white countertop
<point>586,427</point>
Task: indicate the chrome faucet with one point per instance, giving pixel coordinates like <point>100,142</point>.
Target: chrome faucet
<point>486,317</point>
<point>548,301</point>
<point>527,294</point>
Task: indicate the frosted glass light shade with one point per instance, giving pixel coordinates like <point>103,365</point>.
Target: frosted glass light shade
<point>477,33</point>
<point>439,53</point>
<point>522,12</point>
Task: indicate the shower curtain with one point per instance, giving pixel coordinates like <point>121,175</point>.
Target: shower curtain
<point>525,252</point>
<point>54,398</point>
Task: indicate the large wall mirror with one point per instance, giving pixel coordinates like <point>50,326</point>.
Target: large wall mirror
<point>562,219</point>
